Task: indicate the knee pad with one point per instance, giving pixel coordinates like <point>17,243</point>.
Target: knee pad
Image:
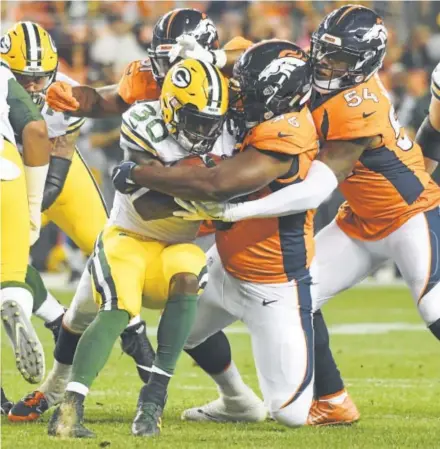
<point>429,306</point>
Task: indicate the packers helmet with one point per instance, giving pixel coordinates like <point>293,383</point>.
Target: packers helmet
<point>31,55</point>
<point>194,103</point>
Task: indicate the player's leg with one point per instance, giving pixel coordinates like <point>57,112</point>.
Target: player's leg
<point>118,269</point>
<point>45,306</point>
<point>340,262</point>
<point>16,295</point>
<point>415,247</point>
<point>183,273</point>
<point>80,314</point>
<point>282,343</point>
<point>5,404</point>
<point>81,213</point>
<point>209,346</point>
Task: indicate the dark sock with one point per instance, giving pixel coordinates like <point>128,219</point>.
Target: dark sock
<point>214,354</point>
<point>65,347</point>
<point>174,328</point>
<point>96,344</point>
<point>156,390</point>
<point>33,279</point>
<point>435,329</point>
<point>327,376</point>
<point>74,397</point>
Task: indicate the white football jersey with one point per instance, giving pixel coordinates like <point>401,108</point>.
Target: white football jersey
<point>435,82</point>
<point>143,130</point>
<point>6,127</point>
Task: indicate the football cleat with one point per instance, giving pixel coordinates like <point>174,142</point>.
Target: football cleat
<point>30,408</point>
<point>6,404</point>
<point>67,420</point>
<point>325,413</point>
<point>135,343</point>
<point>247,407</point>
<point>29,354</point>
<point>148,419</point>
<point>55,326</point>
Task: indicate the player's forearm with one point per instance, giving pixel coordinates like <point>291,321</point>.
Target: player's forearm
<point>189,183</point>
<point>428,137</point>
<point>36,144</point>
<point>319,183</point>
<point>97,103</point>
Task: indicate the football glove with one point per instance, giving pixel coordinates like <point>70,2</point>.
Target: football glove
<point>203,210</point>
<point>121,177</point>
<point>60,98</point>
<point>187,47</point>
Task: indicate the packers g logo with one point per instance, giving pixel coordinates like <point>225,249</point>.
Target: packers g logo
<point>181,77</point>
<point>5,44</point>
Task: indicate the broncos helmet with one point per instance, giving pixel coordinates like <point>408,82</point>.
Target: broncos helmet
<point>271,78</point>
<point>171,26</point>
<point>348,48</point>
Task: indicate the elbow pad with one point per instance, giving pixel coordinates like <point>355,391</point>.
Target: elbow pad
<point>429,139</point>
<point>56,177</point>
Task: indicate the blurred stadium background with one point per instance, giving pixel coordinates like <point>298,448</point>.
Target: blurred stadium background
<point>97,39</point>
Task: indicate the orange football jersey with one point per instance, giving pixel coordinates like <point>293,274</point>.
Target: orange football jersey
<point>389,183</point>
<point>275,250</point>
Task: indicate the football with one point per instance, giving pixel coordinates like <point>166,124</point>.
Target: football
<point>206,160</point>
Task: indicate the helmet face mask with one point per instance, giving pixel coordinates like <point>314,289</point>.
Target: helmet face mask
<point>347,49</point>
<point>270,79</point>
<point>31,54</point>
<point>194,104</point>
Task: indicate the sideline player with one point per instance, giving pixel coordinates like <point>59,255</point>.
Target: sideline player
<point>22,186</point>
<point>259,271</point>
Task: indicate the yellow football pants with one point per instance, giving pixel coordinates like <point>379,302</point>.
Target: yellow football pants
<point>79,210</point>
<point>15,222</point>
<point>129,270</point>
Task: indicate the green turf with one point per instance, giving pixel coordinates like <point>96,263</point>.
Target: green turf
<point>393,377</point>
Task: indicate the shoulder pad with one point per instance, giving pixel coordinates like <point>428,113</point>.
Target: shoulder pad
<point>142,128</point>
<point>435,82</point>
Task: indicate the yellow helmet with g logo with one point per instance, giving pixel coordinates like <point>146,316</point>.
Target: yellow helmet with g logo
<point>194,103</point>
<point>31,54</point>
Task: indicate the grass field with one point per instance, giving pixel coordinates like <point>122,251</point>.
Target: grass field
<point>391,366</point>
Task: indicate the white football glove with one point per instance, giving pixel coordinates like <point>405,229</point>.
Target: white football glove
<point>203,210</point>
<point>187,47</point>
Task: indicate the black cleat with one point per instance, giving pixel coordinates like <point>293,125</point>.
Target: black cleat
<point>68,419</point>
<point>6,404</point>
<point>55,326</point>
<point>135,343</point>
<point>148,420</point>
<point>30,408</point>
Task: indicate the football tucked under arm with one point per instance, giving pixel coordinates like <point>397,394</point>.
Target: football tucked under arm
<point>152,205</point>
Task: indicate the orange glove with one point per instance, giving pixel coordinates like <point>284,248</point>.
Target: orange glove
<point>60,98</point>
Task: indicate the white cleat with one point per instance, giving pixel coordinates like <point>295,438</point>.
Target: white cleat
<point>29,354</point>
<point>247,407</point>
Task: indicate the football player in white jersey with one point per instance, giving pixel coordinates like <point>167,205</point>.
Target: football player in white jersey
<point>22,186</point>
<point>150,263</point>
<point>428,135</point>
<point>72,199</point>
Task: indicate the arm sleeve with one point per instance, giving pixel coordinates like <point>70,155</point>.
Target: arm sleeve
<point>319,183</point>
<point>22,109</point>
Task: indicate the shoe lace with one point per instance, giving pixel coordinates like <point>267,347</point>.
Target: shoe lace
<point>34,398</point>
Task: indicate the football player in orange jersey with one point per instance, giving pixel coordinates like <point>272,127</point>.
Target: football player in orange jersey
<point>259,272</point>
<point>392,208</point>
<point>428,135</point>
<point>142,79</point>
